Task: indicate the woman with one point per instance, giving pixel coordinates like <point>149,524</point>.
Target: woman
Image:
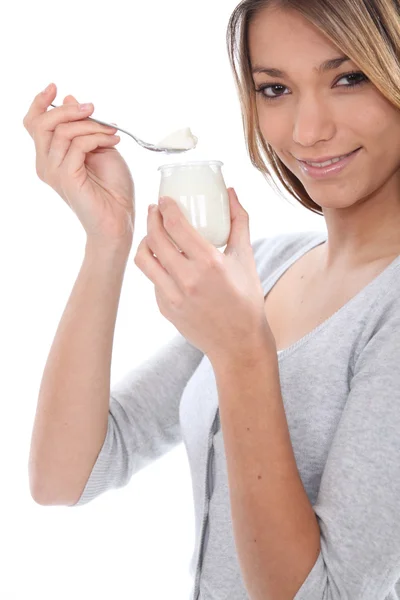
<point>284,380</point>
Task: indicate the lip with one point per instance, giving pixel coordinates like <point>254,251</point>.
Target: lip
<point>321,172</point>
<point>321,158</point>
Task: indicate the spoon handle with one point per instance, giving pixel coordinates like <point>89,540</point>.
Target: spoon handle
<point>138,140</point>
<point>96,120</point>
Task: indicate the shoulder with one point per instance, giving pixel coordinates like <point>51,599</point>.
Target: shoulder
<point>273,251</point>
<point>386,307</point>
<point>380,329</point>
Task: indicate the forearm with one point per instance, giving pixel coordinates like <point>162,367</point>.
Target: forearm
<point>276,530</point>
<point>72,410</point>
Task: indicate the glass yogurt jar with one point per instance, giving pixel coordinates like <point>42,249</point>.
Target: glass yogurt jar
<point>199,189</point>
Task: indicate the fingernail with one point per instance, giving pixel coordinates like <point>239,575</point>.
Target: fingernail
<point>47,89</point>
<point>85,106</point>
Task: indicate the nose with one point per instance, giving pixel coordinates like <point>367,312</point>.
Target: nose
<point>313,122</point>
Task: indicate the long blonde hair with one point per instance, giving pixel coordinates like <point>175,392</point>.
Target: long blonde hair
<point>367,31</point>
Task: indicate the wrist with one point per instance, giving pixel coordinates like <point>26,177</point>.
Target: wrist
<point>108,251</point>
<point>111,246</point>
<point>255,350</point>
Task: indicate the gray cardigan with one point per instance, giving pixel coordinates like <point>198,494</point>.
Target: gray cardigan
<point>341,391</point>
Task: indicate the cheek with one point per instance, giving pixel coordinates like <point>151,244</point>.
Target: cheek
<point>272,127</point>
<point>366,121</point>
<point>374,119</point>
<point>275,126</point>
<point>378,131</point>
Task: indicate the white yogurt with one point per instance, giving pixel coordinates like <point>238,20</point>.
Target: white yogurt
<point>183,139</point>
<point>200,191</point>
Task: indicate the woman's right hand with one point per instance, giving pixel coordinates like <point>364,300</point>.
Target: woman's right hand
<point>77,158</point>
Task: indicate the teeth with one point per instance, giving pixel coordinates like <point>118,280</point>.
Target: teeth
<point>328,162</point>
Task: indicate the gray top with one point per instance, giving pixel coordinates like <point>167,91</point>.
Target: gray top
<point>341,391</point>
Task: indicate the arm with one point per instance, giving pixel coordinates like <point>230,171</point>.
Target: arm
<point>276,530</point>
<point>356,553</point>
<point>72,412</point>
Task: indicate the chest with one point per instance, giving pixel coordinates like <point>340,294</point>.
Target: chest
<point>300,301</point>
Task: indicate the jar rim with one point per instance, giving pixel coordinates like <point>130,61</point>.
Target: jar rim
<point>193,163</point>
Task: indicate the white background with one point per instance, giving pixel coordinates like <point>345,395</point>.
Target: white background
<point>152,67</point>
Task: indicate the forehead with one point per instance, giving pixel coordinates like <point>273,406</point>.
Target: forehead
<point>282,35</point>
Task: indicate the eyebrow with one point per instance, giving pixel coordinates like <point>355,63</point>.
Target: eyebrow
<point>328,65</point>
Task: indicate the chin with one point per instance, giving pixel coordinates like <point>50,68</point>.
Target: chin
<point>334,200</point>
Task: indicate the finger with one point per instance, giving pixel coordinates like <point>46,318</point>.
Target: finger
<point>63,136</point>
<point>70,100</point>
<point>185,236</point>
<point>80,146</point>
<point>45,124</point>
<point>153,269</point>
<point>39,106</point>
<point>174,262</point>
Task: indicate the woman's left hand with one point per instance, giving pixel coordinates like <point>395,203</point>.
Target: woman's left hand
<point>214,299</point>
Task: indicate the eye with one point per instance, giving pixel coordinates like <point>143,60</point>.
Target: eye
<point>272,87</point>
<point>279,86</point>
<point>353,83</point>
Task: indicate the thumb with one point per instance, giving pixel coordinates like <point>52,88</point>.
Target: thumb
<point>239,238</point>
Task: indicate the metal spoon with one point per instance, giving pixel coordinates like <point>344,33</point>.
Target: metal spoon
<point>139,141</point>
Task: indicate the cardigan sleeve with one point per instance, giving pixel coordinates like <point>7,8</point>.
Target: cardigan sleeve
<point>358,504</point>
<point>143,417</point>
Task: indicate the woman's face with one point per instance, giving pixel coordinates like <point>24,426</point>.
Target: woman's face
<point>313,115</point>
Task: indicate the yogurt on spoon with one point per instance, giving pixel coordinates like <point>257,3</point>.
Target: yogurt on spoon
<point>182,139</point>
